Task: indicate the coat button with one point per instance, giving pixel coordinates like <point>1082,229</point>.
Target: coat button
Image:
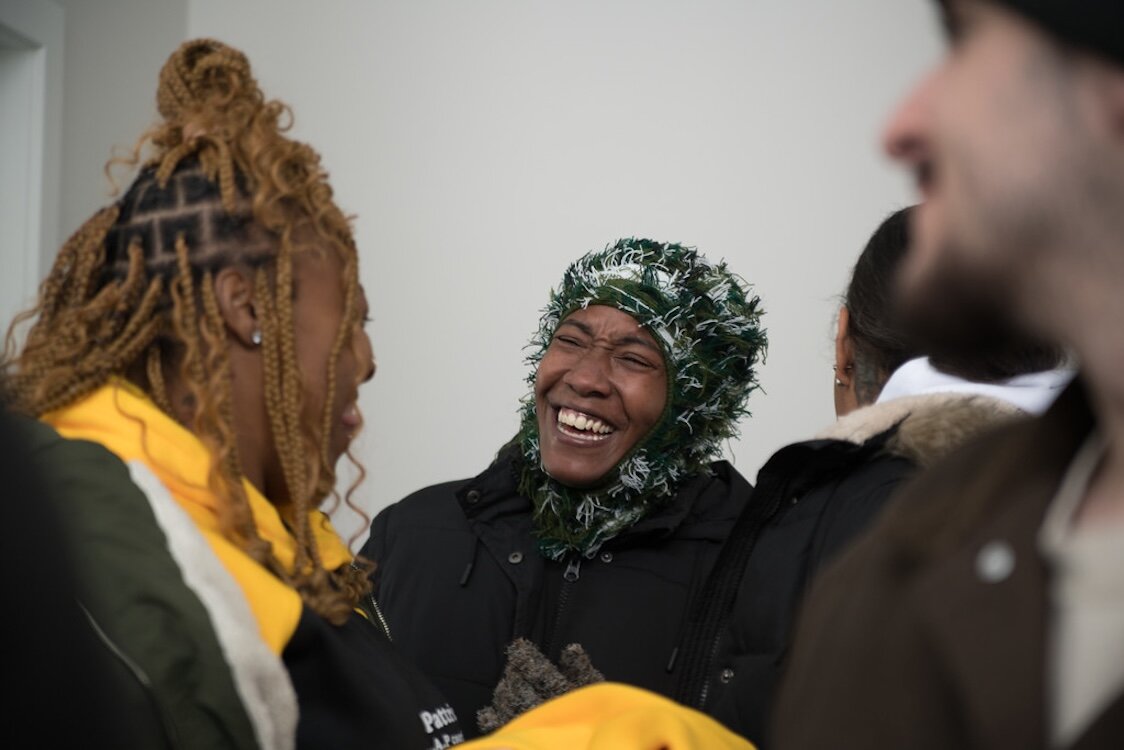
<point>607,557</point>
<point>473,497</point>
<point>515,558</point>
<point>726,675</point>
<point>995,562</point>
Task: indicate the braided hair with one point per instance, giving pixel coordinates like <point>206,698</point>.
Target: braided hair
<point>132,294</point>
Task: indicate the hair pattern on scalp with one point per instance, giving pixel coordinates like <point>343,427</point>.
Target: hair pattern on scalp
<point>133,296</point>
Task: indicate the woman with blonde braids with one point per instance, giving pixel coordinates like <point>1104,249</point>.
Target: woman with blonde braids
<point>208,330</point>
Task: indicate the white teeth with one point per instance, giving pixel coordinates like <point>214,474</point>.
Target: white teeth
<point>583,422</point>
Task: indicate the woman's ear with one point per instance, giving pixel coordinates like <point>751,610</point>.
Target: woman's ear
<point>844,351</point>
<point>234,292</point>
<point>846,401</point>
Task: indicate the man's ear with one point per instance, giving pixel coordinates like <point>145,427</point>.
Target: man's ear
<point>234,292</point>
<point>1105,83</point>
<point>1116,100</point>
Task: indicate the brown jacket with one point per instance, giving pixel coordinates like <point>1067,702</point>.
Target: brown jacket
<point>931,631</point>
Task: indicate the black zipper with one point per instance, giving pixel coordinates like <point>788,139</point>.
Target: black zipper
<point>705,692</point>
<point>378,615</point>
<point>569,578</point>
<point>745,533</point>
<point>375,612</point>
<point>170,733</point>
<point>573,570</point>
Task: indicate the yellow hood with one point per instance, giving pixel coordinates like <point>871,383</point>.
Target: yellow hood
<point>123,419</point>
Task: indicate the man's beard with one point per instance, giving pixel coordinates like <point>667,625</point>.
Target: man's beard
<point>967,326</point>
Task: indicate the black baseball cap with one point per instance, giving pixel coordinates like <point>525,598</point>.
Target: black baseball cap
<point>1093,25</point>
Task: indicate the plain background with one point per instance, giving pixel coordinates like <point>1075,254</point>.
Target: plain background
<point>485,144</point>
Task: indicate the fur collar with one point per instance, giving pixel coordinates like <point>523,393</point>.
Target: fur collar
<point>930,425</point>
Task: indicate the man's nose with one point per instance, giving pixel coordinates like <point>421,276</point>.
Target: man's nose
<point>905,136</point>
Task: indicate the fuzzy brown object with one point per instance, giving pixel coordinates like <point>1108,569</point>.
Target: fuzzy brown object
<point>529,678</point>
<point>931,425</point>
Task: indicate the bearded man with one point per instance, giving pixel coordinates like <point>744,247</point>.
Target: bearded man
<point>986,609</point>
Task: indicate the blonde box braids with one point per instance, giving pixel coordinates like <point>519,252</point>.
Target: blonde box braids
<point>131,293</point>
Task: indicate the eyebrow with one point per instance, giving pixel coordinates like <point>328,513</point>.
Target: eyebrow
<point>627,339</point>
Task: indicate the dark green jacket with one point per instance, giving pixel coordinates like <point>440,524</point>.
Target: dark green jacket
<point>171,678</point>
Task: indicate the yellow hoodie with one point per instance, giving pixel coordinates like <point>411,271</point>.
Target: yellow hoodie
<point>610,716</point>
<point>123,419</point>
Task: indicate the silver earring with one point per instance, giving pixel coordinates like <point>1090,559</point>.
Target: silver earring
<point>255,338</point>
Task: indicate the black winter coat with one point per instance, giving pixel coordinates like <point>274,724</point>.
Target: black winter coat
<point>812,499</point>
<point>459,576</point>
<point>357,690</point>
<point>696,602</point>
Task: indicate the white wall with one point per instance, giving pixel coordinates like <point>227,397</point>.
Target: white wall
<point>114,50</point>
<point>484,145</point>
<point>77,77</point>
<point>32,46</point>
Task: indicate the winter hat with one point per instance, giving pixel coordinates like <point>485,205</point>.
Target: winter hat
<point>1095,25</point>
<point>708,327</point>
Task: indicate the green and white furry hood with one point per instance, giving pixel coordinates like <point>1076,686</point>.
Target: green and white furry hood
<point>708,326</point>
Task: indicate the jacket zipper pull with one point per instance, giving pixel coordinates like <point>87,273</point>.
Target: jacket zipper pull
<point>471,562</point>
<point>377,612</point>
<point>573,568</point>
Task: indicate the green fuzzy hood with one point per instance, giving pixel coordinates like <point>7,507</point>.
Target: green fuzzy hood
<point>708,327</point>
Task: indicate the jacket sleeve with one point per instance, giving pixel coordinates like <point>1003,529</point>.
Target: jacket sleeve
<point>858,634</point>
<point>133,589</point>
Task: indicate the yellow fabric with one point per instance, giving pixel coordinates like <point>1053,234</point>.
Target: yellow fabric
<point>122,418</point>
<point>609,716</point>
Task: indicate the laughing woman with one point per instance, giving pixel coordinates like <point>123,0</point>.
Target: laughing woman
<point>597,523</point>
<point>208,330</point>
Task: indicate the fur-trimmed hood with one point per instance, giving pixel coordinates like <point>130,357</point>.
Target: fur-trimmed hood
<point>930,425</point>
